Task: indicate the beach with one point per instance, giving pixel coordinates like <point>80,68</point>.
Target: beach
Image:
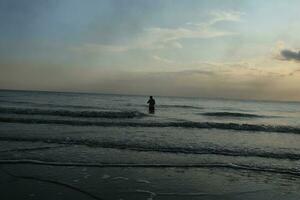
<point>44,181</point>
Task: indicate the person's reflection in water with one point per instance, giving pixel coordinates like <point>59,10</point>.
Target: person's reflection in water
<point>151,103</point>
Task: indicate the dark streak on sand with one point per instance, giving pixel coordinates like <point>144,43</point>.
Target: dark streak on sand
<point>32,149</point>
<point>51,181</point>
<point>116,165</point>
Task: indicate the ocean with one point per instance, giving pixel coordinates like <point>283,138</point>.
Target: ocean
<point>259,138</point>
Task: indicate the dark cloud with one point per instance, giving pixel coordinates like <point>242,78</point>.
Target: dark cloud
<point>290,55</point>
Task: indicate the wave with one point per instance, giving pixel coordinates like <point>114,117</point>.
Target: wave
<point>232,109</point>
<point>212,150</point>
<point>166,106</point>
<point>184,124</point>
<point>69,113</point>
<point>294,172</point>
<point>50,105</point>
<point>179,106</point>
<point>230,114</point>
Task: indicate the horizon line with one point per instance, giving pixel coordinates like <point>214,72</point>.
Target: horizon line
<point>168,96</point>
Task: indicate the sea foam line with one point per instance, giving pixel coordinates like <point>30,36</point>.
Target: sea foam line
<point>133,165</point>
<point>231,114</point>
<point>212,150</point>
<point>184,124</point>
<point>72,113</point>
<point>50,105</point>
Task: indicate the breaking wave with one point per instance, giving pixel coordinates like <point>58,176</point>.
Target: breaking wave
<point>179,106</point>
<point>70,113</point>
<point>200,150</point>
<point>231,114</point>
<point>51,105</point>
<point>184,124</point>
<point>167,106</point>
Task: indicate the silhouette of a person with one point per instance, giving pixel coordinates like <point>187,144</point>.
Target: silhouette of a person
<point>151,103</point>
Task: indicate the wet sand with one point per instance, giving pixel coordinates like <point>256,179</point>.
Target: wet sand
<point>36,181</point>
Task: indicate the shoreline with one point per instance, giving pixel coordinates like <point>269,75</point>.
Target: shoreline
<point>35,181</point>
<point>148,165</point>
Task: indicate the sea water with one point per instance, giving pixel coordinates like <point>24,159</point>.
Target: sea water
<point>117,130</point>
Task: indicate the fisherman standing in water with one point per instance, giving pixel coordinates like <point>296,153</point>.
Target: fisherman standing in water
<point>151,103</point>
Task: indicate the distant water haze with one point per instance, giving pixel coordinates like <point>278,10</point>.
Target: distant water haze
<point>163,84</point>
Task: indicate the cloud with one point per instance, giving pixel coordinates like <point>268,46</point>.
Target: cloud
<point>96,48</point>
<point>160,37</point>
<point>287,54</point>
<point>198,72</point>
<point>170,37</point>
<point>166,35</point>
<point>162,60</point>
<point>187,72</point>
<point>219,16</point>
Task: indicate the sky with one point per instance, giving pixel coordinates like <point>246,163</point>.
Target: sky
<point>237,49</point>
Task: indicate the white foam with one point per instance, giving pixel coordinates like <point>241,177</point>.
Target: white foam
<point>152,194</point>
<point>120,178</point>
<point>105,176</point>
<point>142,181</point>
